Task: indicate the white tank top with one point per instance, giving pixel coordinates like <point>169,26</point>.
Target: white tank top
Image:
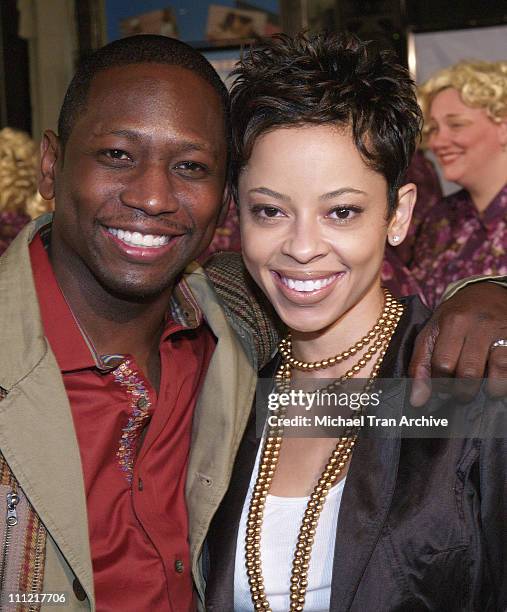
<point>280,529</point>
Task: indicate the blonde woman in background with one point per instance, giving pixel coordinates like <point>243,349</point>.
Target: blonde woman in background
<point>19,198</point>
<point>465,110</point>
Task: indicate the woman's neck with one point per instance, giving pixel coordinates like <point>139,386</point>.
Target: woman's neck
<point>355,323</point>
<point>484,190</point>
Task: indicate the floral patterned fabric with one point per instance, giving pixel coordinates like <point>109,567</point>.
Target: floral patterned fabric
<point>429,192</point>
<point>227,237</point>
<point>11,223</point>
<point>397,277</point>
<point>457,241</point>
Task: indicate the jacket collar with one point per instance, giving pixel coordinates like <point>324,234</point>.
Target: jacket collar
<point>220,416</point>
<point>22,334</point>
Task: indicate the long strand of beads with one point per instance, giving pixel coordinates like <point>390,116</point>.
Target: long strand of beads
<point>336,464</point>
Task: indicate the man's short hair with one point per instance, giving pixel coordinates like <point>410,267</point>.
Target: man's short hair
<point>141,49</point>
<point>327,79</point>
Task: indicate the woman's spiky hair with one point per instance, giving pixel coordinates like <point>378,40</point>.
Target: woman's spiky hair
<point>327,79</point>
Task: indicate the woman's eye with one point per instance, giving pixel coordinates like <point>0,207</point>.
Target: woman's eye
<point>266,212</point>
<point>343,214</point>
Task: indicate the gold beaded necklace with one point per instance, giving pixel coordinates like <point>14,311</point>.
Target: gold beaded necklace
<point>381,335</point>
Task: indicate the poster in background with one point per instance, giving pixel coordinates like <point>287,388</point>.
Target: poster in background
<point>154,22</point>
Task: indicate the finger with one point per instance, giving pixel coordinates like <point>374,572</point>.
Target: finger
<point>420,365</point>
<point>471,366</point>
<point>448,346</point>
<point>497,372</point>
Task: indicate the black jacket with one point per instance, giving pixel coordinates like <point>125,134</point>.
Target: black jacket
<point>422,523</point>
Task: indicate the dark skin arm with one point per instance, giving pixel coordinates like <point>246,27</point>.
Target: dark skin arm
<point>456,343</point>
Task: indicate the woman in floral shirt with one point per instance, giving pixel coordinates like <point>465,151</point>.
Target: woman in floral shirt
<point>465,109</point>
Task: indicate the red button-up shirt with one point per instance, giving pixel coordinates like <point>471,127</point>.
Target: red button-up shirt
<point>137,517</point>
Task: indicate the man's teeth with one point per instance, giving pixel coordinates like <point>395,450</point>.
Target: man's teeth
<point>138,239</point>
<point>308,285</point>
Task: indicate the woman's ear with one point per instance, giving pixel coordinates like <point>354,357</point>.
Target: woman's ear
<point>399,224</point>
<point>49,154</point>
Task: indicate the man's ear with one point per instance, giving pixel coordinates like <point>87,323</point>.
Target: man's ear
<point>399,224</point>
<point>50,151</point>
<point>226,203</point>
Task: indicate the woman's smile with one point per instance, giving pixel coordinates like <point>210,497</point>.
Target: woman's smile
<point>306,287</point>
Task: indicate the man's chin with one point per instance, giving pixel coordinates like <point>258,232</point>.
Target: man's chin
<point>137,290</point>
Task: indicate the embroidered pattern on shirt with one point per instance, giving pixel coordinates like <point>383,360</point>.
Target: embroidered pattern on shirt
<point>139,404</point>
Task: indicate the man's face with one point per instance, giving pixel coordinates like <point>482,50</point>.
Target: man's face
<point>140,185</point>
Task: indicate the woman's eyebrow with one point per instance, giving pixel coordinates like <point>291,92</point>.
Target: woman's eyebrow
<point>271,193</point>
<point>338,192</point>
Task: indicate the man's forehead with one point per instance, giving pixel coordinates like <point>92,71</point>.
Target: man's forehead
<point>150,98</point>
<point>144,77</point>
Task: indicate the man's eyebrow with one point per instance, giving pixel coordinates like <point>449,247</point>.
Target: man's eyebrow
<point>184,145</point>
<point>271,193</point>
<point>338,192</point>
<point>130,134</point>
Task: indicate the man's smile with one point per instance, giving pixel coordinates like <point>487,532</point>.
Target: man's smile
<point>139,239</point>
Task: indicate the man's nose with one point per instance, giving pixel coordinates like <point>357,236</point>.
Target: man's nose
<point>151,189</point>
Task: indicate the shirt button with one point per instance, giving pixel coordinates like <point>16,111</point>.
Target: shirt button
<point>79,592</point>
<point>178,566</point>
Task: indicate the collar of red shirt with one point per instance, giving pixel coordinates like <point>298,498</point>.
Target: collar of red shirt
<point>72,348</point>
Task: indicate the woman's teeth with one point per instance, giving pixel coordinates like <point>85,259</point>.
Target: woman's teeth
<point>138,239</point>
<point>307,285</point>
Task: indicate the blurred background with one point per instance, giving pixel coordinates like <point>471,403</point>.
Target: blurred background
<point>41,40</point>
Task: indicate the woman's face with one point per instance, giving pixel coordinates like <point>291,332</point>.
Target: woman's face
<point>313,223</point>
<point>464,139</point>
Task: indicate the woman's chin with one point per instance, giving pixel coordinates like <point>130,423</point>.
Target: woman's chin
<point>302,325</point>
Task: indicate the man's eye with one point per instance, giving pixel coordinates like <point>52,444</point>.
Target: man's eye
<point>190,168</point>
<point>117,154</point>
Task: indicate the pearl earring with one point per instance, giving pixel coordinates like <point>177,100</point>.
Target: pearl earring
<point>395,239</point>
